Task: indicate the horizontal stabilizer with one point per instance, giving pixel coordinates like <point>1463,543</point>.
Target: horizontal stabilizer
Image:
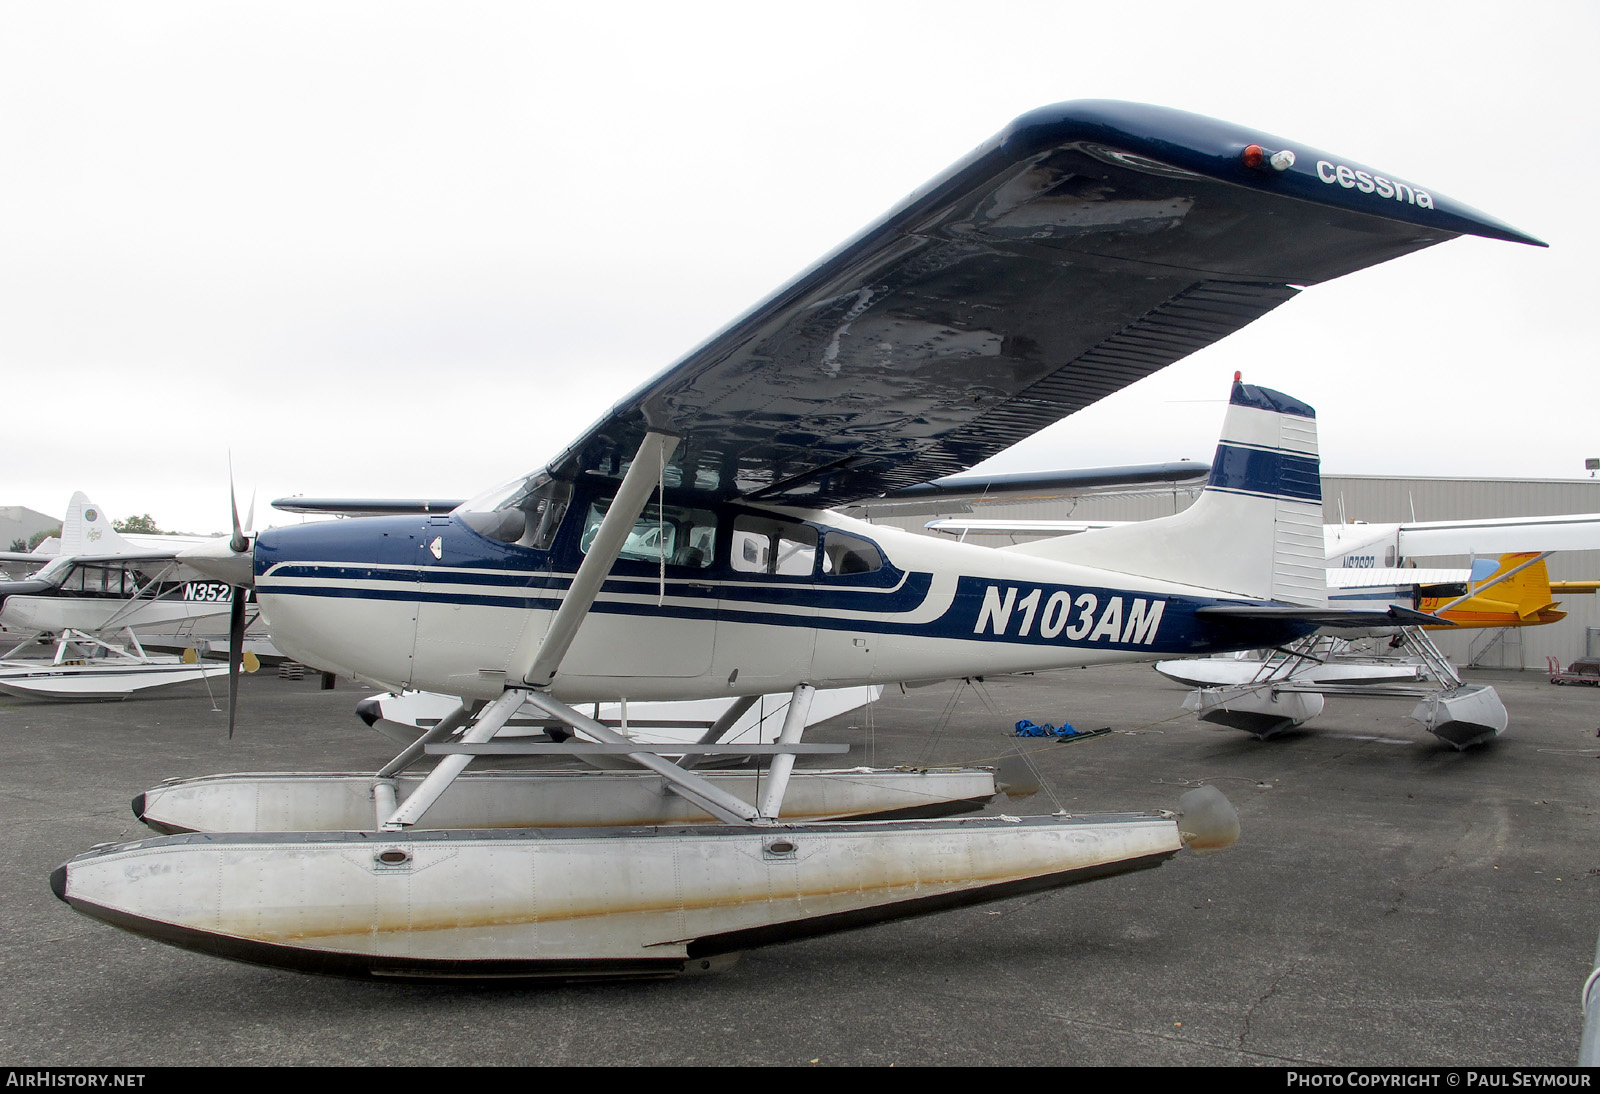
<point>1387,576</point>
<point>1393,616</point>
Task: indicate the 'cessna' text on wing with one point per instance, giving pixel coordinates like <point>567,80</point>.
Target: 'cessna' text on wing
<point>1367,183</point>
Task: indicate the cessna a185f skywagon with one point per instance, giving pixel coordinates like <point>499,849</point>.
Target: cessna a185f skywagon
<point>685,546</point>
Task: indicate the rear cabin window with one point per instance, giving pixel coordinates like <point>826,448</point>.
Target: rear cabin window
<point>766,545</point>
<point>680,535</point>
<point>843,555</point>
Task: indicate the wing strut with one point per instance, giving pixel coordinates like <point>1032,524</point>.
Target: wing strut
<point>641,480</point>
<point>637,484</point>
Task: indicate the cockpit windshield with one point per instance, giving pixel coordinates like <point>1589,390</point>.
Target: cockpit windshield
<point>54,570</point>
<point>526,512</point>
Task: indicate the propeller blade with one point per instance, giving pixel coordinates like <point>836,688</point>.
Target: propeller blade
<point>235,650</point>
<point>238,543</point>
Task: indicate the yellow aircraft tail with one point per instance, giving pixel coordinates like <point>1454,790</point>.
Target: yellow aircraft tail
<point>1523,600</point>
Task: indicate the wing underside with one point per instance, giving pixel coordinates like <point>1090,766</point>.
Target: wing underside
<point>1087,246</point>
<point>1500,535</point>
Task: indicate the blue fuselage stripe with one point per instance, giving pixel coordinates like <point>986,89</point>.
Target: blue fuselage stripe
<point>981,610</point>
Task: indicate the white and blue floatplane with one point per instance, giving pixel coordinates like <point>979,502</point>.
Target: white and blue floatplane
<point>688,546</point>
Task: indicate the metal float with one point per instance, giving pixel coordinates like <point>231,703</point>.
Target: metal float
<point>306,802</point>
<point>578,903</point>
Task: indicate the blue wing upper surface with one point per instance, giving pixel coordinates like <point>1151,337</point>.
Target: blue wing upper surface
<point>1083,248</point>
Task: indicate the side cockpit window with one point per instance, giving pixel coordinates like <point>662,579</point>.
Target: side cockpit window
<point>843,555</point>
<point>675,534</point>
<point>768,545</point>
<point>101,580</point>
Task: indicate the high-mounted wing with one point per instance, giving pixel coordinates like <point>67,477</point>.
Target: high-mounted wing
<point>168,554</point>
<point>1085,247</point>
<point>933,496</point>
<point>1501,535</point>
<point>366,507</point>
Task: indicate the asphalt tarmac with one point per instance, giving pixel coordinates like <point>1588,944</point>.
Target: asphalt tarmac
<point>1390,902</point>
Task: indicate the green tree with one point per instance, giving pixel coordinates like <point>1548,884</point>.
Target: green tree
<point>18,544</point>
<point>39,537</point>
<point>144,525</point>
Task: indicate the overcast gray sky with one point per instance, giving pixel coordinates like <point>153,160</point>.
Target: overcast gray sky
<point>400,249</point>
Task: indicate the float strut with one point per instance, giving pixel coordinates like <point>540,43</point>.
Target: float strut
<point>493,716</point>
<point>720,727</point>
<point>794,724</point>
<point>409,755</point>
<point>719,803</point>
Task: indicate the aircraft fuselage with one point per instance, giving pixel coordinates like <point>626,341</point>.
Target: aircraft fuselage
<point>712,599</point>
<point>110,593</point>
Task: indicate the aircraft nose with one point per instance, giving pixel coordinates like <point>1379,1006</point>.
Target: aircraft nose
<point>217,559</point>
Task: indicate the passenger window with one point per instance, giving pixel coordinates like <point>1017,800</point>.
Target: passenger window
<point>843,555</point>
<point>766,545</point>
<point>678,534</point>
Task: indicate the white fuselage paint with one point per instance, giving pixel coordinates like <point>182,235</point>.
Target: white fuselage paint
<point>54,614</point>
<point>737,646</point>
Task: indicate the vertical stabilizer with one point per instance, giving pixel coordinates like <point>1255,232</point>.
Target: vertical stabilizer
<point>1255,530</point>
<point>1528,590</point>
<point>87,531</point>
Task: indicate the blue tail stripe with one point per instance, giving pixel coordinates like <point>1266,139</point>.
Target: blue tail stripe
<point>1260,471</point>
